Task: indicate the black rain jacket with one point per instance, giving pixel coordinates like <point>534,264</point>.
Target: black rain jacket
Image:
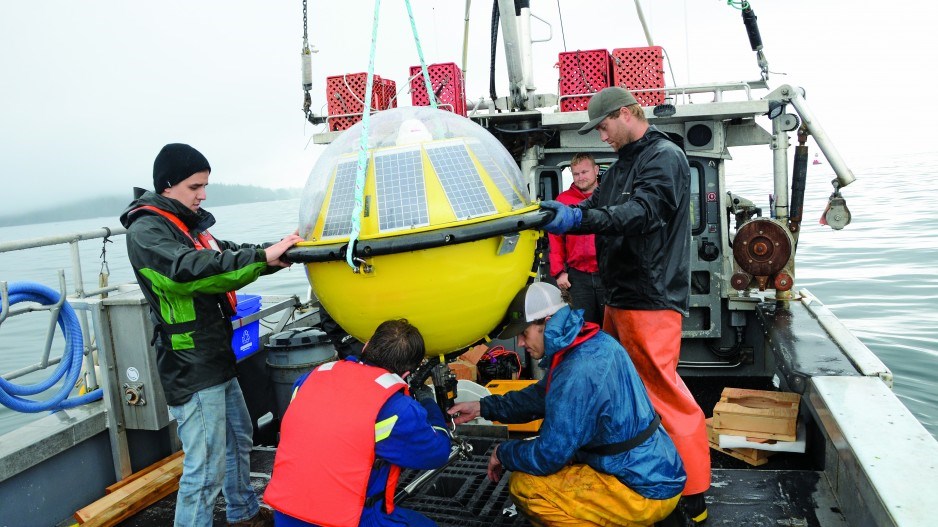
<point>641,217</point>
<point>186,288</point>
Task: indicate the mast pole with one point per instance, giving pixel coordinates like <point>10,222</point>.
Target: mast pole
<point>641,18</point>
<point>510,34</point>
<point>465,44</point>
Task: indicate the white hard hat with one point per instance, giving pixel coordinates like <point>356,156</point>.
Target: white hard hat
<point>534,302</point>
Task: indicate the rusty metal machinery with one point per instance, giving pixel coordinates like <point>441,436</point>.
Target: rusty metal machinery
<point>763,252</point>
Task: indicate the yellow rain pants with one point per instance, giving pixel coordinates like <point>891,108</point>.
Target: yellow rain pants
<point>577,495</point>
<point>653,340</point>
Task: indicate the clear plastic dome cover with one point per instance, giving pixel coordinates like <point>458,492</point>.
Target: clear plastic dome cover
<point>411,150</point>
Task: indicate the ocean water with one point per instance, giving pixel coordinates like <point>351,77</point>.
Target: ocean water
<point>878,275</point>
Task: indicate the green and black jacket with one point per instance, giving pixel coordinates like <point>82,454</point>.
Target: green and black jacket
<point>186,288</point>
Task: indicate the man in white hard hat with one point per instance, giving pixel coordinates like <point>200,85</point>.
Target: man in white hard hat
<point>601,456</point>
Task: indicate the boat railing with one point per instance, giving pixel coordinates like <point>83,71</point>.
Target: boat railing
<point>79,292</point>
<point>79,296</point>
<point>717,89</point>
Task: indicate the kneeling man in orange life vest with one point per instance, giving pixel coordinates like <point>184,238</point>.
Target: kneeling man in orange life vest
<point>350,429</point>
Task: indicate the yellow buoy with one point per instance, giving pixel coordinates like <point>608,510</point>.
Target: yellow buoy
<point>447,228</point>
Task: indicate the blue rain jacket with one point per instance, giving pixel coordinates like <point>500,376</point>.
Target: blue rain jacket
<point>595,398</point>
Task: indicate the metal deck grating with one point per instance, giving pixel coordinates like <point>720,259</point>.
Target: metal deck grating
<point>782,492</point>
<point>463,495</point>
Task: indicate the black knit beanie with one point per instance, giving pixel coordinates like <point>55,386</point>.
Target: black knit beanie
<point>176,162</point>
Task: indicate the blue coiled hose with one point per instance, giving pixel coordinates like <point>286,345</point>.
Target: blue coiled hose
<point>69,367</point>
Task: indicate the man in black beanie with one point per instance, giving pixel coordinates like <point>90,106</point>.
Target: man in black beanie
<point>189,278</point>
<point>176,162</point>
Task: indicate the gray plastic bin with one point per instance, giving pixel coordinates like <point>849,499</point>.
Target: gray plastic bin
<point>292,353</point>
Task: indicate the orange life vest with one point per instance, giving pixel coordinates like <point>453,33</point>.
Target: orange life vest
<point>327,449</point>
<point>204,240</point>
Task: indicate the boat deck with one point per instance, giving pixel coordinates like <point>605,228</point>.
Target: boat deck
<point>778,493</point>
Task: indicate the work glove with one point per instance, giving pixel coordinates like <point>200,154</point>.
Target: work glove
<point>565,218</point>
<point>424,393</point>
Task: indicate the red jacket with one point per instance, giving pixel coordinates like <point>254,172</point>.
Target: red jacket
<point>572,250</point>
<point>330,490</point>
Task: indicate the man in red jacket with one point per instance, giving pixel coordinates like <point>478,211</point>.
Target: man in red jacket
<point>573,256</point>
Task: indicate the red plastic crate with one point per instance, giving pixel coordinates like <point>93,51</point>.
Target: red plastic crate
<point>582,72</point>
<point>346,98</point>
<point>346,93</point>
<point>388,95</point>
<point>446,81</point>
<point>640,69</point>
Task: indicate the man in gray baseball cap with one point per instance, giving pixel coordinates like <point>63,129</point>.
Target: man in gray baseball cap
<point>604,103</point>
<point>640,215</point>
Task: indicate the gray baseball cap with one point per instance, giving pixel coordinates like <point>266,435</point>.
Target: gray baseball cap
<point>603,103</point>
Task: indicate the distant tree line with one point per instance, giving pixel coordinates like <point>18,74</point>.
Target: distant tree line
<point>219,194</point>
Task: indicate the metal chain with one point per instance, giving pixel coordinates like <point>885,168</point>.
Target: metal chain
<point>307,99</point>
<point>105,271</point>
<point>305,38</point>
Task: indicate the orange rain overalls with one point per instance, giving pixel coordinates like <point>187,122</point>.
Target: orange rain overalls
<point>653,340</point>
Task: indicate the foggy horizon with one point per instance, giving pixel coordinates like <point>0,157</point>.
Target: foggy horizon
<point>93,90</point>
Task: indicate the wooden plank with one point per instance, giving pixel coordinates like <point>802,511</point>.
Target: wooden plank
<point>749,455</point>
<point>142,472</point>
<point>171,469</point>
<point>464,370</point>
<point>765,398</point>
<point>134,502</point>
<point>473,354</point>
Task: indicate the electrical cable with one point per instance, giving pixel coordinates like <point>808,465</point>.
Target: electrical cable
<point>494,29</point>
<point>562,35</point>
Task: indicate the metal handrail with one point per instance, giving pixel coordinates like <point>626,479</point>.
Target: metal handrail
<point>72,240</point>
<point>280,303</point>
<point>60,239</point>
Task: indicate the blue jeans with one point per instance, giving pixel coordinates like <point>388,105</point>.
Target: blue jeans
<point>216,433</point>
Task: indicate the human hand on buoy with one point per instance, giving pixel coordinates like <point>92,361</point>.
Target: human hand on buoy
<point>275,252</point>
<point>565,217</point>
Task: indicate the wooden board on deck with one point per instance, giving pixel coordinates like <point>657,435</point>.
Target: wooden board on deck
<point>133,494</point>
<point>162,465</point>
<point>749,455</point>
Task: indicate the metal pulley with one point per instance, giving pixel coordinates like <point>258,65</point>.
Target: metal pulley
<point>836,215</point>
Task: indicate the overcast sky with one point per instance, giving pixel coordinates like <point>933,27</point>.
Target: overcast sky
<point>90,91</point>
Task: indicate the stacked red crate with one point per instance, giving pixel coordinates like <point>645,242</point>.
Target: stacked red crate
<point>640,69</point>
<point>582,73</point>
<point>388,92</point>
<point>446,81</point>
<point>346,98</point>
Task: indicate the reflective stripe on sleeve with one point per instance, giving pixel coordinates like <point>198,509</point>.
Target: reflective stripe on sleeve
<point>383,428</point>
